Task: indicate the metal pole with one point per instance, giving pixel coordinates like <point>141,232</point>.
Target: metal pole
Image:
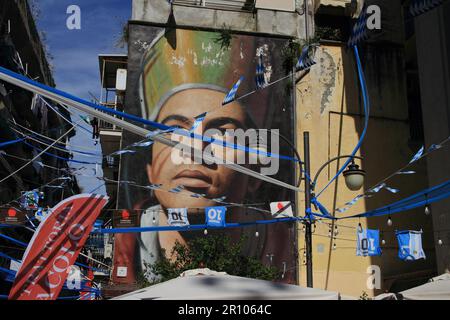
<point>308,233</point>
<point>298,173</point>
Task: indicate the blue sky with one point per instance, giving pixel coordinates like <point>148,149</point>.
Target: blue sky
<point>75,58</point>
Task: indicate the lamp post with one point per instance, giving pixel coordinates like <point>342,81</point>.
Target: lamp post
<point>354,179</point>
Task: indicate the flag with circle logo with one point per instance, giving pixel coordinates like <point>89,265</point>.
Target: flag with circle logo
<point>368,243</point>
<point>281,209</point>
<point>410,245</point>
<point>215,216</point>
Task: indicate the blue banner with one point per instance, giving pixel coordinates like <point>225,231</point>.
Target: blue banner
<point>368,243</point>
<point>215,216</point>
<point>410,245</point>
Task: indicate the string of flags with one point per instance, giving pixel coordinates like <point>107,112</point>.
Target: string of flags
<point>305,61</point>
<point>359,31</point>
<point>231,96</point>
<point>260,78</point>
<point>409,244</point>
<point>419,7</point>
<point>382,184</point>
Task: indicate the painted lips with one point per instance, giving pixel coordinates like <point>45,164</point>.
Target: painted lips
<point>193,179</point>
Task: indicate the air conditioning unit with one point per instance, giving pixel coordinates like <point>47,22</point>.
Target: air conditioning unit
<point>121,80</point>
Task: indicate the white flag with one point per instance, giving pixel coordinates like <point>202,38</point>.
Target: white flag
<point>178,217</point>
<point>281,209</point>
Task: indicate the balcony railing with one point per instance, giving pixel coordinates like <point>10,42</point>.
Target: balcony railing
<point>231,5</point>
<point>106,125</point>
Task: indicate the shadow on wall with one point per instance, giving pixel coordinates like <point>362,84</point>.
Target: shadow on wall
<point>386,148</point>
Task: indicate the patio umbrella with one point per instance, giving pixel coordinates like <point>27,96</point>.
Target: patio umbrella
<point>204,284</point>
<point>437,288</point>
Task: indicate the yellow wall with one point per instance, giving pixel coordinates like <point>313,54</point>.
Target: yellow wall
<point>329,107</point>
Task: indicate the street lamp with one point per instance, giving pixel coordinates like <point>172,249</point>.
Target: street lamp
<point>354,179</point>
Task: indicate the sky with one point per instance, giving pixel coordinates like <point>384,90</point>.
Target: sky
<point>75,62</point>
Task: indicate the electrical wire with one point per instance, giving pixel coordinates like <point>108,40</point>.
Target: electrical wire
<point>25,165</point>
<point>442,144</point>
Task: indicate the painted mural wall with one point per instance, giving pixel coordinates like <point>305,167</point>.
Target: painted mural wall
<point>174,76</point>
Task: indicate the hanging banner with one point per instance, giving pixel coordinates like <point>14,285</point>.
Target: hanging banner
<point>281,209</point>
<point>12,216</point>
<point>29,200</point>
<point>368,243</point>
<point>410,245</point>
<point>55,246</point>
<point>177,217</point>
<point>215,216</point>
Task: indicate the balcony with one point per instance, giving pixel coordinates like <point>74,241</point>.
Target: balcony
<point>230,5</point>
<point>347,7</point>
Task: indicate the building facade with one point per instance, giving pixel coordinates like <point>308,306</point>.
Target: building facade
<point>22,51</point>
<point>326,102</point>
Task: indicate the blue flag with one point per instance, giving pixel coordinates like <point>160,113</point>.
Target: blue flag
<point>368,243</point>
<point>215,216</point>
<point>232,94</point>
<point>418,7</point>
<point>198,120</point>
<point>359,31</point>
<point>305,61</point>
<point>410,245</point>
<point>417,155</point>
<point>259,78</point>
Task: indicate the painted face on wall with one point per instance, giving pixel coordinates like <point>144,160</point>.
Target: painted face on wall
<point>212,180</point>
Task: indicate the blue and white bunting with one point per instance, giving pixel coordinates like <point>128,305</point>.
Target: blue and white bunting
<point>198,195</point>
<point>177,189</point>
<point>142,144</point>
<point>377,188</point>
<point>418,155</point>
<point>154,186</point>
<point>118,153</point>
<point>434,147</point>
<point>393,190</point>
<point>158,132</point>
<point>260,70</point>
<point>359,31</point>
<point>419,7</point>
<point>198,120</point>
<point>305,61</point>
<point>220,199</point>
<point>231,96</point>
<point>406,172</point>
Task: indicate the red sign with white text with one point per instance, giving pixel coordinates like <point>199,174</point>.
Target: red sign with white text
<point>55,247</point>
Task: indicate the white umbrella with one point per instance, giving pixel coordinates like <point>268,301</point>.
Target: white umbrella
<point>437,288</point>
<point>204,284</point>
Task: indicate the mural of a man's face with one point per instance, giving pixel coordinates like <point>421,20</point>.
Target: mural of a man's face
<point>213,180</point>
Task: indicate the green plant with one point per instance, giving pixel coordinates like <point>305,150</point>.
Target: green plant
<point>329,33</point>
<point>364,296</point>
<point>225,37</point>
<point>292,51</point>
<point>122,39</point>
<point>216,252</point>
